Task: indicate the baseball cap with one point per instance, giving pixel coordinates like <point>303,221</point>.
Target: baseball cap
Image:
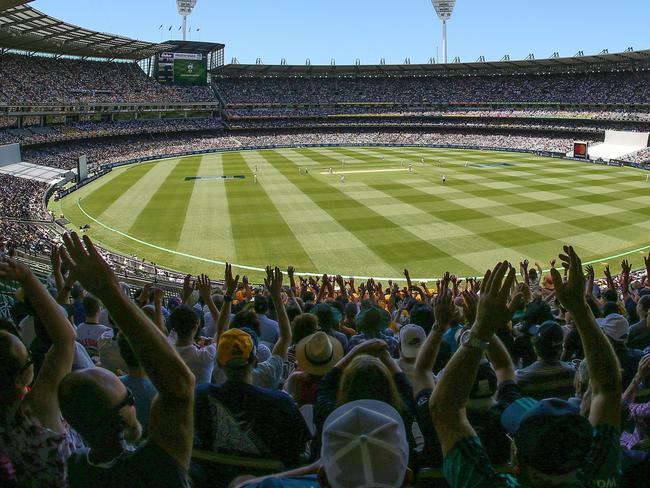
<point>318,353</point>
<point>615,326</point>
<point>365,446</point>
<point>548,333</point>
<point>236,348</point>
<point>550,435</point>
<point>411,338</point>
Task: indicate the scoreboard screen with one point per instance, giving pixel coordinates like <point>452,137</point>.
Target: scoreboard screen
<point>581,150</point>
<point>182,69</point>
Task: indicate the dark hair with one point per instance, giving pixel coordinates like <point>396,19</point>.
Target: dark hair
<point>610,308</point>
<point>350,311</point>
<point>292,312</point>
<point>246,318</point>
<point>593,305</point>
<point>422,315</point>
<point>91,305</point>
<point>127,352</point>
<point>644,301</point>
<point>302,326</point>
<point>260,304</point>
<point>610,295</point>
<point>549,345</point>
<point>9,365</point>
<point>183,320</point>
<point>537,312</point>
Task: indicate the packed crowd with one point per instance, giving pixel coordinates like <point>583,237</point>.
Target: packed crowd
<point>518,379</point>
<point>91,129</point>
<point>593,88</point>
<point>447,123</point>
<point>392,110</point>
<point>46,80</point>
<point>126,148</point>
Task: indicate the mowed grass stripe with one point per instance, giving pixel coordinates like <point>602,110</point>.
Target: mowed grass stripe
<point>207,230</point>
<point>113,187</point>
<point>258,230</point>
<point>161,218</point>
<point>303,215</point>
<point>123,211</point>
<point>383,236</point>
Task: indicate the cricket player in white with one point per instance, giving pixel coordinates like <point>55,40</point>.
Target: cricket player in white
<point>444,179</point>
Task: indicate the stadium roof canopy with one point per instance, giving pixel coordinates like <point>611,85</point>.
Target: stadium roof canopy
<point>25,28</point>
<point>626,60</point>
<point>193,46</point>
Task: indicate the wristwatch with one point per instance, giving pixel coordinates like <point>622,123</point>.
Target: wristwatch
<point>469,340</point>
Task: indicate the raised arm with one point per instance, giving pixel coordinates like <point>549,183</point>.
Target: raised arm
<point>158,295</point>
<point>169,374</point>
<point>205,291</point>
<point>450,397</point>
<point>591,277</point>
<point>626,269</point>
<point>604,375</point>
<point>273,282</point>
<point>224,315</point>
<point>42,401</point>
<point>501,360</point>
<point>444,314</point>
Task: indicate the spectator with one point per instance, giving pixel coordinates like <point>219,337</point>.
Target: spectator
<point>138,384</point>
<point>548,376</point>
<point>411,337</point>
<point>185,322</point>
<point>32,432</point>
<point>100,407</point>
<point>90,330</point>
<point>316,355</point>
<point>617,329</point>
<point>640,332</point>
<point>269,329</point>
<point>552,443</point>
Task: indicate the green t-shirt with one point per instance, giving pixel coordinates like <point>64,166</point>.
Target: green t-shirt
<point>467,465</point>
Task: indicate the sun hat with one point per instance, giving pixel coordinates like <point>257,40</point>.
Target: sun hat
<point>318,353</point>
<point>236,348</point>
<point>550,435</point>
<point>615,326</point>
<point>364,445</point>
<point>328,316</point>
<point>411,338</point>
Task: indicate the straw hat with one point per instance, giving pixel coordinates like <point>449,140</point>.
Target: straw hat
<point>318,353</point>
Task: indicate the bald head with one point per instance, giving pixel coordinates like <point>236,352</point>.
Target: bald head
<point>87,398</point>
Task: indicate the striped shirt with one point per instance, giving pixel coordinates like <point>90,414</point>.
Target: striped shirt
<point>547,379</point>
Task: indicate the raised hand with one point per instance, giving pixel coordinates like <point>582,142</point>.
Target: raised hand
<point>492,312</point>
<point>626,267</point>
<point>158,295</point>
<point>444,307</point>
<point>55,259</point>
<point>13,270</point>
<point>470,304</point>
<point>87,266</point>
<point>187,288</point>
<point>273,281</point>
<point>591,274</point>
<point>646,260</point>
<point>205,287</point>
<point>572,293</point>
<point>230,282</point>
<point>408,278</point>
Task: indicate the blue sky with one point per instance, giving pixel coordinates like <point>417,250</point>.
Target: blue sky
<point>370,30</point>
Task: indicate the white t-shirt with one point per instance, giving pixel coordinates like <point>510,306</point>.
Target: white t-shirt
<point>200,360</point>
<point>88,336</point>
<point>267,374</point>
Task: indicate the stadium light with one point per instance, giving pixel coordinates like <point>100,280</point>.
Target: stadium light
<point>185,8</point>
<point>444,9</point>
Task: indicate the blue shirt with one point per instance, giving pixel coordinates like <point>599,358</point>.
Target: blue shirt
<point>269,330</point>
<point>144,393</point>
<point>238,418</point>
<point>393,344</point>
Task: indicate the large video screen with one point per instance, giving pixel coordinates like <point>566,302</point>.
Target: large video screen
<point>182,69</point>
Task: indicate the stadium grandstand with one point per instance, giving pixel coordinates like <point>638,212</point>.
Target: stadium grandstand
<point>366,345</point>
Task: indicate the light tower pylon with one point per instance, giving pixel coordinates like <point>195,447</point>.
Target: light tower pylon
<point>444,9</point>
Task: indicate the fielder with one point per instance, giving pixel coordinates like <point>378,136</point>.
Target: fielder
<point>444,179</point>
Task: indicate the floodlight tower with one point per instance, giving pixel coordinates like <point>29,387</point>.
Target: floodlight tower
<point>444,8</point>
<point>185,8</point>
